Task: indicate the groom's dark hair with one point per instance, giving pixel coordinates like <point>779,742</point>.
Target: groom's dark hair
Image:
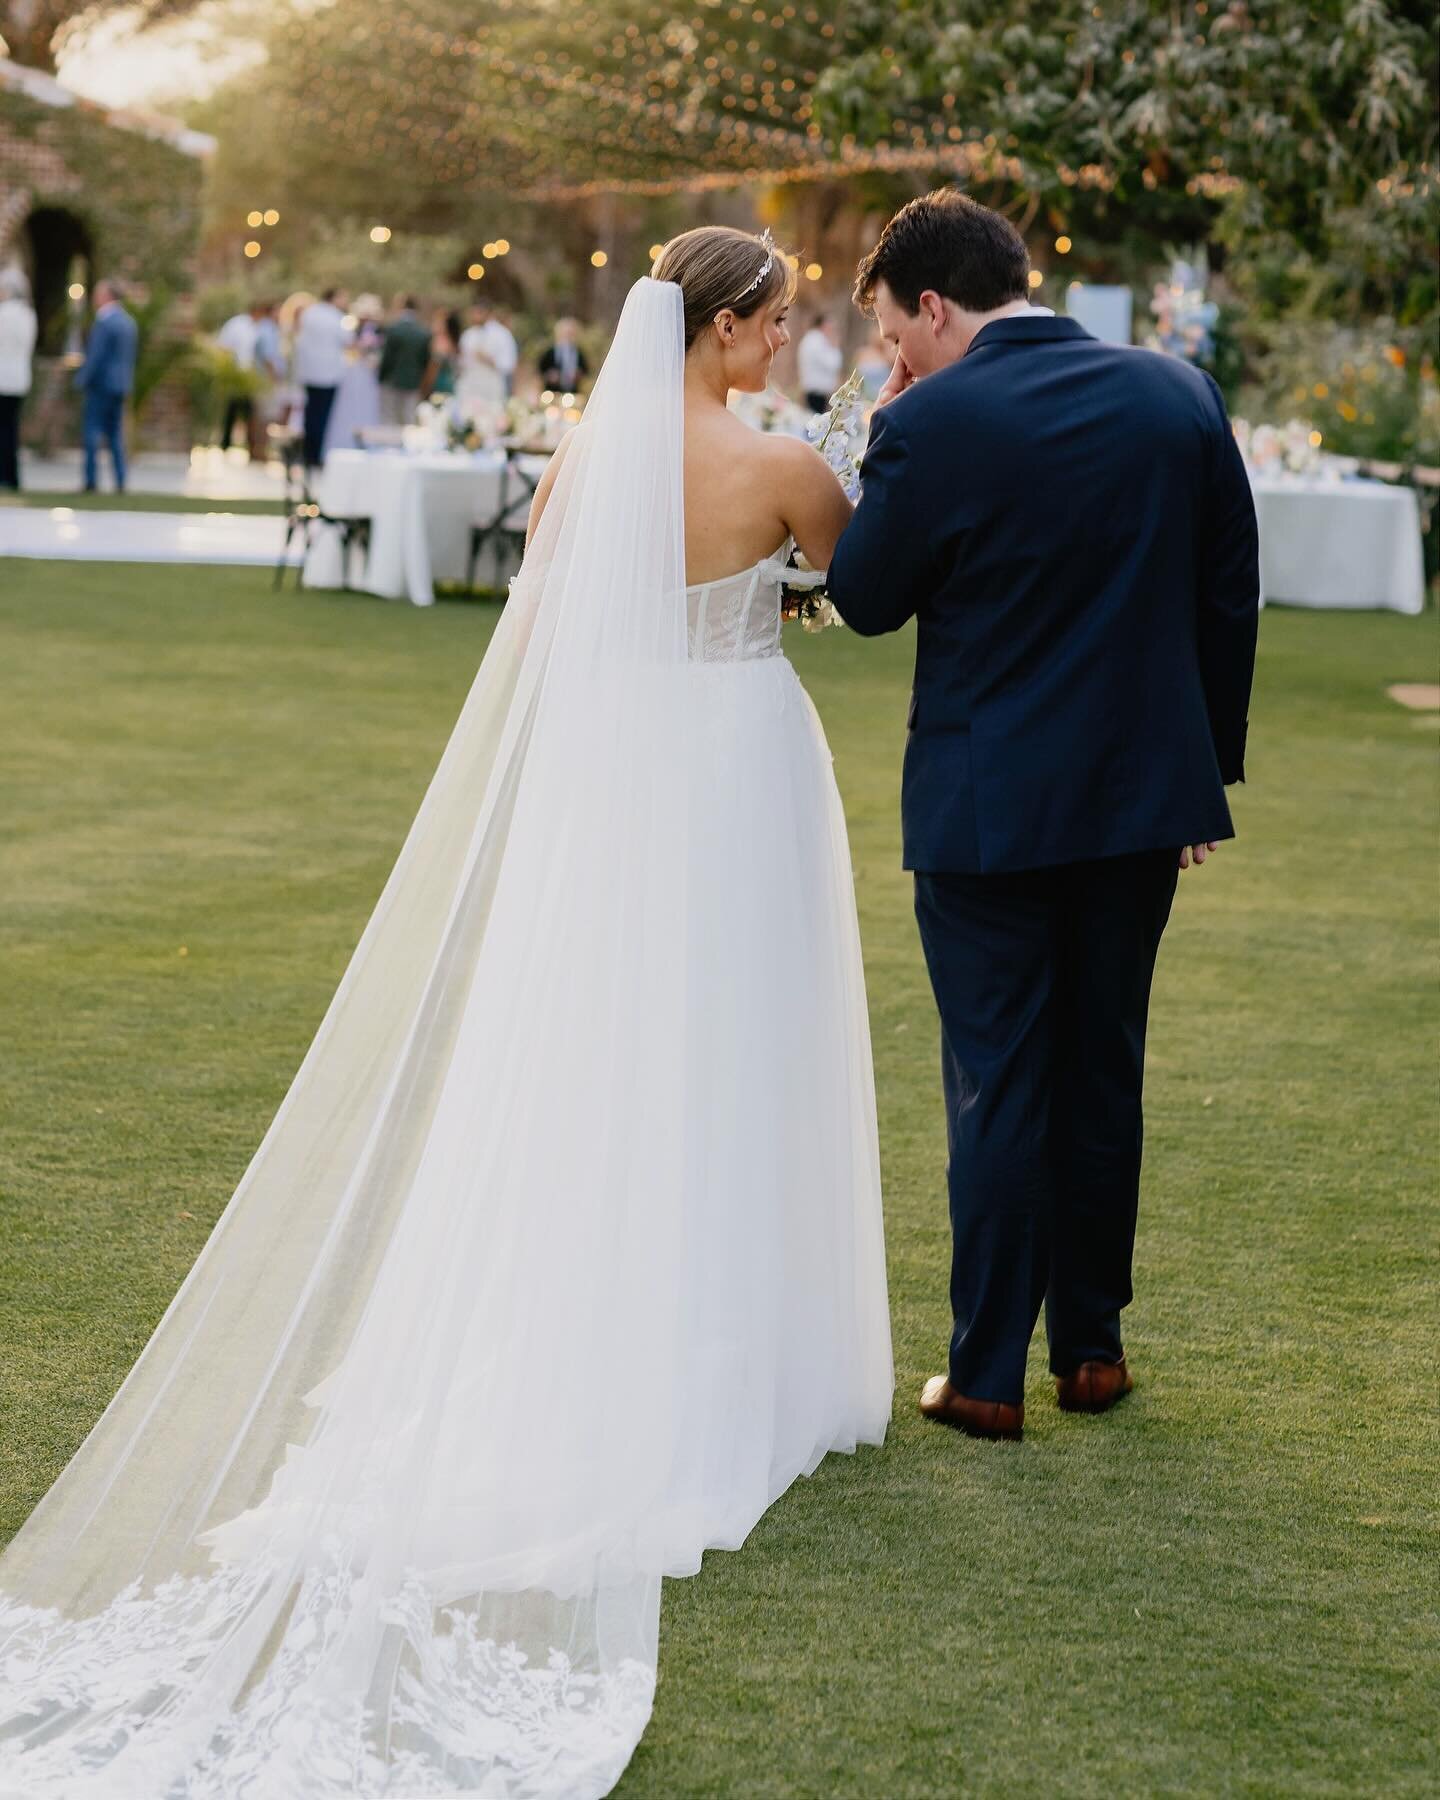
<point>952,244</point>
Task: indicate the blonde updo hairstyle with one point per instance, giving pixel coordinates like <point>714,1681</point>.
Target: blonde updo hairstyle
<point>713,266</point>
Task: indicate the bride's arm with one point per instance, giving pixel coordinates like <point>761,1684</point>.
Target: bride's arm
<point>547,482</point>
<point>812,501</point>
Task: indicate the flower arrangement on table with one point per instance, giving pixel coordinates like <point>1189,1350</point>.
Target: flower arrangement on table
<point>541,424</point>
<point>1291,449</point>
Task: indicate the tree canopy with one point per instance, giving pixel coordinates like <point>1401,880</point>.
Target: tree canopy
<point>1302,131</point>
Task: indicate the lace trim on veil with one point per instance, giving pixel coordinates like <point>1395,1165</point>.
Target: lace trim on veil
<point>460,1697</point>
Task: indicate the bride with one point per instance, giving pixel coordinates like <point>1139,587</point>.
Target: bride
<point>562,1257</point>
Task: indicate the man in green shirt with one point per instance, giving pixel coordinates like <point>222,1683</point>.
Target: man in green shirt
<point>404,358</point>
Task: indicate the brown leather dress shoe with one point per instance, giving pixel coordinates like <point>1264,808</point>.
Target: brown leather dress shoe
<point>1094,1387</point>
<point>976,1418</point>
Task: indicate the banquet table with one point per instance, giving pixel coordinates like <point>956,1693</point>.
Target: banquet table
<point>1340,543</point>
<point>422,508</point>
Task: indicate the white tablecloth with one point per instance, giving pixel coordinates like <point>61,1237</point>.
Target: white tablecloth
<point>1339,543</point>
<point>421,510</point>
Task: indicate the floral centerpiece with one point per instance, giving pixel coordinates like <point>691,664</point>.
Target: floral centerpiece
<point>1291,449</point>
<point>541,424</point>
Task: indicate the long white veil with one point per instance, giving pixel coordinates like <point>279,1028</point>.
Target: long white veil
<point>384,1504</point>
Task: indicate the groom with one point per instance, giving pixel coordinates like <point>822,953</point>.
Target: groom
<point>1071,525</point>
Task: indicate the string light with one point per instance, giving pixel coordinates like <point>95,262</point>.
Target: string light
<point>271,216</point>
<point>252,249</point>
<point>1036,278</point>
<point>560,103</point>
<point>252,219</point>
<point>598,259</point>
<point>77,290</point>
<point>379,234</point>
<point>476,271</point>
<point>813,271</point>
<point>655,250</point>
<point>1063,246</point>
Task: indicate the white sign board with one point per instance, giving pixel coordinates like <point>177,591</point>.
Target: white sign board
<point>1105,312</point>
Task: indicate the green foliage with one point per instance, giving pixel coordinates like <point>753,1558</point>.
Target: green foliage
<point>214,378</point>
<point>1224,1588</point>
<point>138,198</point>
<point>339,253</point>
<point>1358,385</point>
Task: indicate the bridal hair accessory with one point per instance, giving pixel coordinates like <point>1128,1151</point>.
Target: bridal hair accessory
<point>768,245</point>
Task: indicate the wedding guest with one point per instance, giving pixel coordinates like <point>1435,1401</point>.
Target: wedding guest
<point>481,388</point>
<point>562,363</point>
<point>17,347</point>
<point>489,340</point>
<point>356,411</point>
<point>369,314</point>
<point>820,360</point>
<point>442,374</point>
<point>106,377</point>
<point>240,337</point>
<point>271,371</point>
<point>320,341</point>
<point>404,358</point>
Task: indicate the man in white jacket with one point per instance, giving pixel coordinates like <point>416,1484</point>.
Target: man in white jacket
<point>321,340</point>
<point>17,347</point>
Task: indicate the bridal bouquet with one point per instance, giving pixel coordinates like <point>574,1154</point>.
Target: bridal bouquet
<point>836,435</point>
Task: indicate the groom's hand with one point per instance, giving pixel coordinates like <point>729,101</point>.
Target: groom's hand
<point>900,379</point>
<point>1195,853</point>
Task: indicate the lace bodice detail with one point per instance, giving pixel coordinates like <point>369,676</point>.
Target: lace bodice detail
<point>737,618</point>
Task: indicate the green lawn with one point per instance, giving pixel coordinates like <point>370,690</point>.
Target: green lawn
<point>106,501</point>
<point>1226,1587</point>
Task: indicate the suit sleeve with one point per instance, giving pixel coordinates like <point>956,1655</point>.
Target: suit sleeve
<point>85,374</point>
<point>881,569</point>
<point>1229,596</point>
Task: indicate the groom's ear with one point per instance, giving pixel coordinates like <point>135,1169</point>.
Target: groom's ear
<point>933,308</point>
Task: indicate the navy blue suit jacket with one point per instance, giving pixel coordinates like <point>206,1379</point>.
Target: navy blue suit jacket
<point>1071,526</point>
<point>109,366</point>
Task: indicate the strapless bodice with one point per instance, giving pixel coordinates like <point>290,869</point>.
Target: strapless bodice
<point>737,618</point>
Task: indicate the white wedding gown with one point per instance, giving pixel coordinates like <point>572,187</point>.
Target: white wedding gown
<point>561,1259</point>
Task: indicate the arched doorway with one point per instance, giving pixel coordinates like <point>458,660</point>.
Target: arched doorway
<point>60,256</point>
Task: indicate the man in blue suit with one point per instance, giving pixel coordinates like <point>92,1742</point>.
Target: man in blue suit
<point>106,378</point>
<point>1071,526</point>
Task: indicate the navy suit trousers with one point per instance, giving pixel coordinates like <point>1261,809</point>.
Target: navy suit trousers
<point>1042,979</point>
<point>104,423</point>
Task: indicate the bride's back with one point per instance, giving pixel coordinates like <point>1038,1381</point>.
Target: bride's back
<point>736,495</point>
